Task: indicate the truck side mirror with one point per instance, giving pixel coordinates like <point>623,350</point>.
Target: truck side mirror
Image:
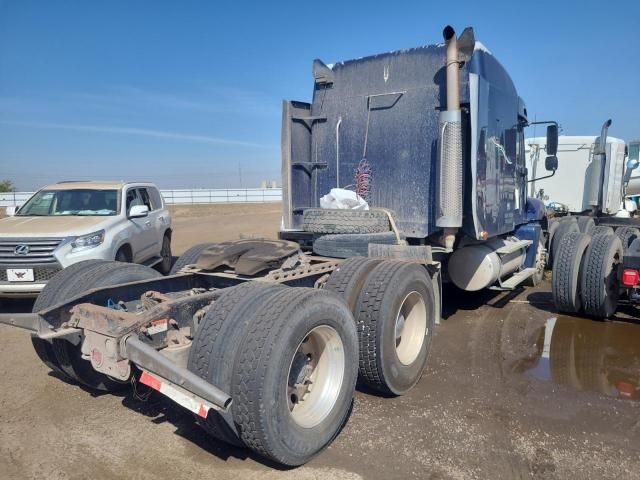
<point>632,163</point>
<point>551,163</point>
<point>552,140</point>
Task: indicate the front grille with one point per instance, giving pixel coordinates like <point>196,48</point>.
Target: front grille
<point>40,251</point>
<point>41,273</point>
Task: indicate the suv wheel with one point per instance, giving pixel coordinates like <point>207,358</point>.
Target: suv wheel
<point>122,256</point>
<point>164,266</point>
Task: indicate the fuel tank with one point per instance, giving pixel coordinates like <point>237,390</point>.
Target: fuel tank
<point>479,266</point>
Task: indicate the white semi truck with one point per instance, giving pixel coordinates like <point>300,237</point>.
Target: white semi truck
<point>591,238</point>
<point>567,190</point>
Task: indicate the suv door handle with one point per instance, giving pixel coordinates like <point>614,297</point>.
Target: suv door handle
<point>147,223</point>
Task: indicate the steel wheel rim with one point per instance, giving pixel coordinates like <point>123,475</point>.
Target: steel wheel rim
<point>411,328</point>
<point>315,376</point>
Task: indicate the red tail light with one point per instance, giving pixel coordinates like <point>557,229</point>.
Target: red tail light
<point>630,277</point>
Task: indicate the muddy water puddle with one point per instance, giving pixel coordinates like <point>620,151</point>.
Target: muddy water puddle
<point>588,355</point>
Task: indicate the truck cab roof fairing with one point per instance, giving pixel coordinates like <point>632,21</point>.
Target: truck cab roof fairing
<point>497,201</point>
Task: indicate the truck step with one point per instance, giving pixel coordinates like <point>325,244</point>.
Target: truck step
<point>515,280</point>
<point>511,247</point>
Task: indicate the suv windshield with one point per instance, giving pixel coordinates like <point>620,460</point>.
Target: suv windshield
<point>47,203</point>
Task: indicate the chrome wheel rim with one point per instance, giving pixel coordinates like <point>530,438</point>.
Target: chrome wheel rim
<point>411,328</point>
<point>315,376</point>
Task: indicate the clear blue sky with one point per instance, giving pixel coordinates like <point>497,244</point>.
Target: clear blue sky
<point>188,93</point>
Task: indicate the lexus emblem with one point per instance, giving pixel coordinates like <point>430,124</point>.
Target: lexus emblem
<point>22,250</point>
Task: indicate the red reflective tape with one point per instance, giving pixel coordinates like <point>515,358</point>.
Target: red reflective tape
<point>202,412</point>
<point>625,389</point>
<point>150,381</point>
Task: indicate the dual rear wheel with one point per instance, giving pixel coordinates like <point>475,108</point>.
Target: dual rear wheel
<point>63,356</point>
<point>288,357</point>
<point>394,309</point>
<point>586,273</point>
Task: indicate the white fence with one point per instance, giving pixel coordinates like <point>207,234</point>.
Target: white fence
<point>184,197</point>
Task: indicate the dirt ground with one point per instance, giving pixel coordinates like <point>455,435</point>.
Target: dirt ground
<point>512,391</point>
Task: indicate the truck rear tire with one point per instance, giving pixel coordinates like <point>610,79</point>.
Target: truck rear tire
<point>600,287</point>
<point>567,267</point>
<point>395,319</point>
<point>189,257</point>
<point>553,225</point>
<point>298,338</point>
<point>566,225</point>
<point>216,343</point>
<point>602,230</point>
<point>627,235</point>
<point>320,220</point>
<point>47,297</point>
<point>347,280</point>
<point>351,244</point>
<point>586,224</point>
<point>99,274</point>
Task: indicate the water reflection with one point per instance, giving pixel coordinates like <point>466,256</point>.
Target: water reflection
<point>598,356</point>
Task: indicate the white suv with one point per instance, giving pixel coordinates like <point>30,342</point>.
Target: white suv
<point>69,222</point>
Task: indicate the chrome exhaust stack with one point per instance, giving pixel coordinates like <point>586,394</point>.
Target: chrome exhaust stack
<point>598,168</point>
<point>450,168</point>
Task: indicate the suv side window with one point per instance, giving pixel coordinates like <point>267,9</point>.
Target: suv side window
<point>144,196</point>
<point>133,198</point>
<point>156,198</point>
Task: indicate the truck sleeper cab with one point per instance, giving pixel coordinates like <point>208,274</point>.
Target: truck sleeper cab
<point>263,340</point>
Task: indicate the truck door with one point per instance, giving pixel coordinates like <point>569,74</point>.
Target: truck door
<point>496,188</point>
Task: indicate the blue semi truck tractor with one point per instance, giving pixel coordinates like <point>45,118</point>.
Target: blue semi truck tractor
<point>264,340</point>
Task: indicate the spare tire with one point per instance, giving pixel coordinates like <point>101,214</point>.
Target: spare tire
<point>320,220</point>
<point>567,266</point>
<point>600,287</point>
<point>350,245</point>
